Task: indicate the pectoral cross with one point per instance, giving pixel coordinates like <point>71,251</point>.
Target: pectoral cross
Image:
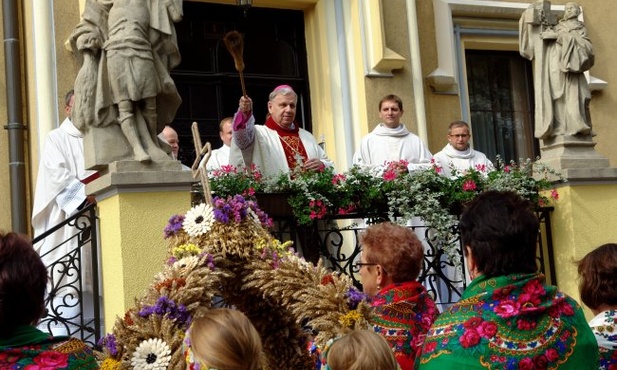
<point>199,166</point>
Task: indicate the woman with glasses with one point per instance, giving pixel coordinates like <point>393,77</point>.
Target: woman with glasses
<point>403,311</point>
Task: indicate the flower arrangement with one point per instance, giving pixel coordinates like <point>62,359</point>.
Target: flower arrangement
<point>224,250</point>
<point>401,195</point>
<point>230,180</point>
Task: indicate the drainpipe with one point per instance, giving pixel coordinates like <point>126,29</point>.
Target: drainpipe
<point>14,108</point>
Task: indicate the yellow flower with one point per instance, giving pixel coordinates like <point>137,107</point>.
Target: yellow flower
<point>110,364</point>
<point>185,250</point>
<point>349,319</point>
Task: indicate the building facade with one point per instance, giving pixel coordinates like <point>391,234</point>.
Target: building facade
<point>447,59</point>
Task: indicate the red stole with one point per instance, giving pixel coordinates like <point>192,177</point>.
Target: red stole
<point>290,139</point>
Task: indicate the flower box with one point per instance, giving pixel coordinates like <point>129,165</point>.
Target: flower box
<point>276,205</point>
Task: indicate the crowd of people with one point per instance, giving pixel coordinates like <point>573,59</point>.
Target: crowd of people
<point>507,318</point>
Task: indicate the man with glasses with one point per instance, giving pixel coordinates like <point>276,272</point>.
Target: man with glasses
<point>457,156</point>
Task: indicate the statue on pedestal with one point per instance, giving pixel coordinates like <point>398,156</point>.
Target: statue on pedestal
<point>561,52</point>
<point>124,93</point>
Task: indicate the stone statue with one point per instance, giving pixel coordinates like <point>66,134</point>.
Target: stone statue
<point>124,93</point>
<point>561,52</point>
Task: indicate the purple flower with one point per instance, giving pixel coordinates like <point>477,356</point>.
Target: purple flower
<point>173,226</point>
<point>354,297</point>
<point>166,307</point>
<point>109,341</point>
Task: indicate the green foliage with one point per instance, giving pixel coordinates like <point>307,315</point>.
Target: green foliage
<point>427,194</point>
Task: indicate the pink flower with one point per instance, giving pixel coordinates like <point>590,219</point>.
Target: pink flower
<point>552,355</point>
<point>389,175</point>
<point>469,185</point>
<point>507,308</point>
<point>481,167</point>
<point>554,194</point>
<point>526,364</point>
<point>472,323</point>
<point>487,329</point>
<point>507,169</point>
<point>49,360</point>
<point>534,287</point>
<point>9,357</point>
<point>338,179</point>
<point>525,325</point>
<point>430,347</point>
<point>228,169</point>
<point>540,362</point>
<point>501,293</point>
<point>469,338</point>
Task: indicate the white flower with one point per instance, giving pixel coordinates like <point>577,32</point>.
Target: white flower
<point>151,354</point>
<point>198,220</point>
<point>186,263</point>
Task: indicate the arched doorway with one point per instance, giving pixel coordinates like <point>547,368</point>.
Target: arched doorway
<point>274,54</point>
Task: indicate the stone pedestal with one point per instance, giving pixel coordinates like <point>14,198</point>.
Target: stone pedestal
<point>135,201</point>
<point>576,159</point>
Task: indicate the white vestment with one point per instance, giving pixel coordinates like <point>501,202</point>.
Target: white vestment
<point>449,158</point>
<point>260,145</point>
<point>385,145</point>
<point>218,158</point>
<point>59,192</point>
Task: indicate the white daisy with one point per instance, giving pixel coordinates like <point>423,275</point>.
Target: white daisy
<point>198,220</point>
<point>151,354</point>
<point>186,263</point>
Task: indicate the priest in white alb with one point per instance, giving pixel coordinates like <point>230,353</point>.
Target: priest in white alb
<point>390,141</point>
<point>457,156</point>
<point>60,193</point>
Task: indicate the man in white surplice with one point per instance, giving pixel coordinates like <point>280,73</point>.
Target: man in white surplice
<point>390,141</point>
<point>220,156</point>
<point>457,156</point>
<point>60,192</point>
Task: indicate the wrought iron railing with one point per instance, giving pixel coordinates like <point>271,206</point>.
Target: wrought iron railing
<point>72,308</point>
<point>338,246</point>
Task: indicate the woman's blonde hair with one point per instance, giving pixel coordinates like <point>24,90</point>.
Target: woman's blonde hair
<point>361,350</point>
<point>225,339</point>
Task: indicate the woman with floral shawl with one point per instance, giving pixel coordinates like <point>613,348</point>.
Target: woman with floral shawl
<point>507,318</point>
<point>598,288</point>
<point>23,278</point>
<point>402,310</point>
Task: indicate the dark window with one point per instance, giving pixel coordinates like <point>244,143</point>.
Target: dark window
<point>501,104</point>
<point>274,53</point>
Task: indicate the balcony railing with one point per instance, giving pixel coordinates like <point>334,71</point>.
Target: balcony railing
<point>338,246</point>
<point>75,311</point>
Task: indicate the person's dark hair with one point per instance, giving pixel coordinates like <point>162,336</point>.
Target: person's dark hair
<point>598,276</point>
<point>23,278</point>
<point>67,97</point>
<point>501,228</point>
<point>394,98</point>
<point>395,248</point>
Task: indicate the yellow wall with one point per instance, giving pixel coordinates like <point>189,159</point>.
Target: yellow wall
<point>5,190</point>
<point>584,218</point>
<point>132,244</point>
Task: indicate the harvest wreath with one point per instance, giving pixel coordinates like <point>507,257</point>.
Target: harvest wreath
<point>224,250</point>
